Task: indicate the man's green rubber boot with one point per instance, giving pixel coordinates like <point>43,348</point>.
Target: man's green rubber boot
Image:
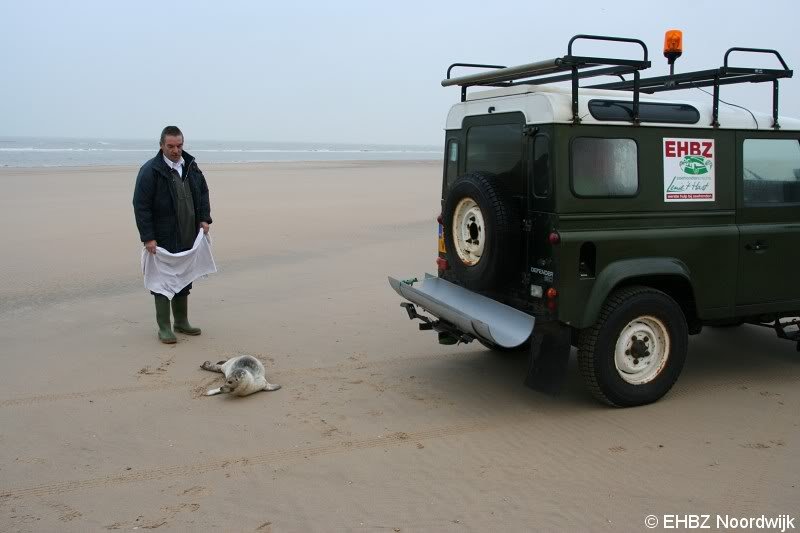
<point>180,305</point>
<point>165,334</point>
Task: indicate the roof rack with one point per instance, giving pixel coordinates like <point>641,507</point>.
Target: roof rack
<point>540,72</point>
<point>725,75</point>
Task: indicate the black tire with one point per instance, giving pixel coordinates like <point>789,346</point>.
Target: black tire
<point>596,346</point>
<point>500,234</point>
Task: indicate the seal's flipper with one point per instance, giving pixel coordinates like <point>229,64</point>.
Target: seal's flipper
<point>211,367</point>
<point>214,392</point>
<point>272,386</point>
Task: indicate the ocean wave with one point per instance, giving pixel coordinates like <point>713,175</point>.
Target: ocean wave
<point>221,150</point>
<point>307,151</point>
<point>33,149</point>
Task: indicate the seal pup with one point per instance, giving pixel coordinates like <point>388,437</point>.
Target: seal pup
<point>244,374</point>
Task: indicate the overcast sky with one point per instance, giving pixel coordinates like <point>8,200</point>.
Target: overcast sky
<point>346,71</point>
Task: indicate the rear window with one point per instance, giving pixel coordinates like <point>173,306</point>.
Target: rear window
<point>496,149</point>
<point>648,111</point>
<point>771,169</point>
<point>604,167</point>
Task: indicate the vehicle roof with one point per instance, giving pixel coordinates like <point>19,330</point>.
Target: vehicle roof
<point>553,105</point>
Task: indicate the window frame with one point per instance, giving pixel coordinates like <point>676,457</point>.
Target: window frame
<point>514,120</point>
<point>604,197</point>
<point>642,115</point>
<point>531,164</point>
<point>448,163</point>
<point>742,179</point>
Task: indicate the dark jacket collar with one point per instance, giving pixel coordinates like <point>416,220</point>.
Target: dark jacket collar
<point>160,165</point>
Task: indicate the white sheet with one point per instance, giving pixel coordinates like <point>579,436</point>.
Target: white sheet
<point>166,273</point>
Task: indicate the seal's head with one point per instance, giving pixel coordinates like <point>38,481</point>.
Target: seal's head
<point>236,378</point>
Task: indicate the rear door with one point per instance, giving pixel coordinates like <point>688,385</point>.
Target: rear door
<point>768,216</point>
<point>496,144</point>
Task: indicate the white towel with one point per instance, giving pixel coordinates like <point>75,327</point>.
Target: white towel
<point>166,273</point>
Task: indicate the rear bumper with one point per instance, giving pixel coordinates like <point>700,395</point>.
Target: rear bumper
<point>468,312</point>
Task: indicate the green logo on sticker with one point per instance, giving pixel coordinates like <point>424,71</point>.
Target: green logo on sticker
<point>695,164</point>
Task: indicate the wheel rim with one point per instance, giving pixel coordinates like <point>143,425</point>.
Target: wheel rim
<point>642,350</point>
<point>468,231</point>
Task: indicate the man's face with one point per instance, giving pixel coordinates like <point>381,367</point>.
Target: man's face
<point>172,147</point>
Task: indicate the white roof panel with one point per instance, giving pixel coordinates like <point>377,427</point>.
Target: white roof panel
<point>551,104</point>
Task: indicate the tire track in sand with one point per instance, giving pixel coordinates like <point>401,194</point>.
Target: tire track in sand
<point>201,382</point>
<point>266,458</point>
<point>194,385</point>
<point>98,393</point>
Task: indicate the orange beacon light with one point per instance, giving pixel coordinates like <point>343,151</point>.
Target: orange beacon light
<point>673,47</point>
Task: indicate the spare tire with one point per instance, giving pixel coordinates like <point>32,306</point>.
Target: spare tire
<point>481,231</point>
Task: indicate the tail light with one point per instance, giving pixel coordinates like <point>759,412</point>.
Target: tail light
<point>551,294</point>
<point>441,263</point>
<point>554,238</point>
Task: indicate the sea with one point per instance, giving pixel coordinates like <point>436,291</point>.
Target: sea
<point>63,152</point>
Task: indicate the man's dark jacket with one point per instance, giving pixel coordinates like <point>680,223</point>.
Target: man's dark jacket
<point>154,201</point>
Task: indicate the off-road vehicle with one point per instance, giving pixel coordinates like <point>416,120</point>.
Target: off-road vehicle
<point>610,220</point>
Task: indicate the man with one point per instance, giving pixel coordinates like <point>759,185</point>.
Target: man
<point>170,203</point>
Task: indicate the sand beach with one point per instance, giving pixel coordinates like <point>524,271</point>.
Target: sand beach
<point>376,427</point>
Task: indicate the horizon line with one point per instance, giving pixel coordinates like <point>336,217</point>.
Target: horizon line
<point>205,139</point>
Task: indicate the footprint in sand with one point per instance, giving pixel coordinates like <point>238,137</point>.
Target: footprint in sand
<point>197,490</point>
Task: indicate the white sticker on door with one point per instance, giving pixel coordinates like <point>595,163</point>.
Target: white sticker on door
<point>689,170</point>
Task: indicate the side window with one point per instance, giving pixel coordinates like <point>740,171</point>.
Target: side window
<point>452,160</point>
<point>648,111</point>
<point>771,169</point>
<point>604,167</point>
<point>540,166</point>
<point>453,152</point>
<point>497,149</point>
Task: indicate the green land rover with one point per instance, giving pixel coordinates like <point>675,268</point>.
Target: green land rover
<point>601,217</point>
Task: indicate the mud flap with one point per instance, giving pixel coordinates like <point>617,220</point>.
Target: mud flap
<point>548,360</point>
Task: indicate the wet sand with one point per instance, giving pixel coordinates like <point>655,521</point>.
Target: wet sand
<point>377,427</point>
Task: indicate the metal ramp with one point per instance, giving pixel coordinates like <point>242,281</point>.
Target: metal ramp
<point>465,311</point>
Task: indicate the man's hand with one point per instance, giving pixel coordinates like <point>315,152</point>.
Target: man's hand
<point>204,225</point>
<point>151,246</point>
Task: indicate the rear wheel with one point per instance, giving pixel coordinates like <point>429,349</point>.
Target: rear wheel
<point>635,351</point>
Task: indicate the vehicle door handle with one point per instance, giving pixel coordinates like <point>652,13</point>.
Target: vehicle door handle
<point>756,247</point>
